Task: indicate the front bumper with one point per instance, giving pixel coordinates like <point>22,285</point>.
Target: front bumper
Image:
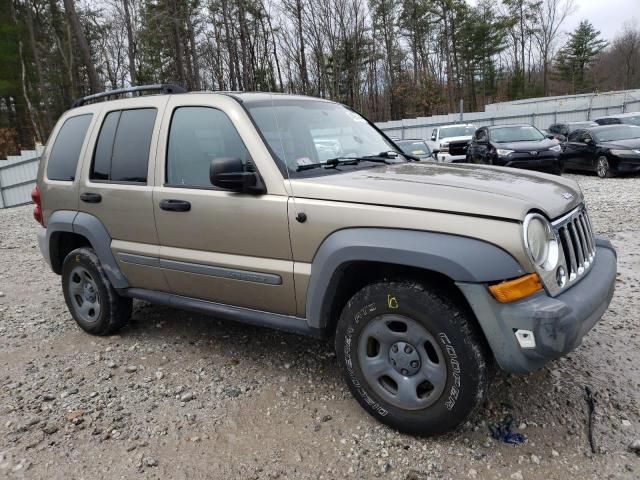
<point>446,158</point>
<point>558,324</point>
<point>626,166</point>
<point>520,160</point>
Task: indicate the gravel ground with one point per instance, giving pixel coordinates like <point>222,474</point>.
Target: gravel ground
<point>177,395</point>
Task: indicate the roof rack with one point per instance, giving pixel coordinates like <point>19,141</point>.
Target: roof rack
<point>159,87</point>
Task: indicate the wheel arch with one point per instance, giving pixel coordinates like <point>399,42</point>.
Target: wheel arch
<point>351,258</point>
<point>68,230</point>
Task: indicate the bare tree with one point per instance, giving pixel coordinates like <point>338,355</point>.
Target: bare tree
<point>551,16</point>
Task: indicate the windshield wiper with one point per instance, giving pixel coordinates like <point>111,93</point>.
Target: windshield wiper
<point>336,161</point>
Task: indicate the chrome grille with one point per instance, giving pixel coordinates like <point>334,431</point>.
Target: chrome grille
<point>575,233</point>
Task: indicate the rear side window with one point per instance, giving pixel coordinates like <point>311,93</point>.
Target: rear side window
<point>197,136</point>
<point>65,151</point>
<point>122,149</point>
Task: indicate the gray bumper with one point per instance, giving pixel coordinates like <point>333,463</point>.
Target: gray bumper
<point>558,324</point>
<point>43,243</point>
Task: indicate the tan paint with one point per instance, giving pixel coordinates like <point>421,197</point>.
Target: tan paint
<point>260,233</point>
<point>226,229</point>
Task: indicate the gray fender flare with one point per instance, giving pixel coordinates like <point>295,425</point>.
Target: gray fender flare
<point>93,230</point>
<point>462,259</point>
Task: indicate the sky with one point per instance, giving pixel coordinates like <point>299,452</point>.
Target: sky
<point>608,16</point>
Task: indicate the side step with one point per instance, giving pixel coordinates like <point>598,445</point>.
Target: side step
<point>258,318</point>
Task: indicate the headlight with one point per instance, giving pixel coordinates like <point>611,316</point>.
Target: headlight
<point>556,148</point>
<point>503,152</point>
<point>541,242</point>
<point>444,146</point>
<point>625,153</point>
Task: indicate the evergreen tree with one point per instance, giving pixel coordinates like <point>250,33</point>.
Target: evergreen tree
<point>579,54</point>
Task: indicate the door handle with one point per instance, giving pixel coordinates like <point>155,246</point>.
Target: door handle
<point>175,205</point>
<point>91,197</point>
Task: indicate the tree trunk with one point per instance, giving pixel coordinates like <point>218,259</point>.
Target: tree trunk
<point>177,43</point>
<point>83,45</point>
<point>194,53</point>
<point>304,76</point>
<point>131,43</point>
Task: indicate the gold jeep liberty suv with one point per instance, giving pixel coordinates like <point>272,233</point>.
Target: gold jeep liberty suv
<point>297,213</point>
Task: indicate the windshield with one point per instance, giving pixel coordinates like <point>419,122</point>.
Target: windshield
<point>621,132</point>
<point>456,131</point>
<point>524,133</point>
<point>305,132</point>
<point>633,120</point>
<point>418,148</point>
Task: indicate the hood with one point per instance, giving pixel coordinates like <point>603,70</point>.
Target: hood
<point>464,138</point>
<point>629,144</point>
<point>526,146</point>
<point>465,189</point>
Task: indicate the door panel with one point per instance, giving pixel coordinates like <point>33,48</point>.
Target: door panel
<point>245,237</point>
<point>125,207</point>
<point>226,247</point>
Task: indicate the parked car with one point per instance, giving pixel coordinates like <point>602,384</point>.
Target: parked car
<point>561,131</point>
<point>632,118</point>
<point>518,146</point>
<point>417,148</point>
<point>452,141</point>
<point>607,150</point>
<point>424,274</point>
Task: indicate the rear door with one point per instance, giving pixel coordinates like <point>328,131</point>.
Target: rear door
<point>226,247</point>
<point>117,185</point>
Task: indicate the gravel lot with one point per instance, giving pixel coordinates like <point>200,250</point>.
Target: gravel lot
<point>177,395</point>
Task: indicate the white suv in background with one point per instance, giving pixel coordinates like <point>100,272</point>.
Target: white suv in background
<point>452,141</point>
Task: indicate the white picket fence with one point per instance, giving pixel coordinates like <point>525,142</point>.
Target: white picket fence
<point>18,177</point>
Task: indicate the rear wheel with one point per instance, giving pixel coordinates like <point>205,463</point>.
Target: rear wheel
<point>93,302</point>
<point>411,358</point>
<point>603,169</point>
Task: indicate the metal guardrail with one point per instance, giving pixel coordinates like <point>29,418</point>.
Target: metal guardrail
<point>420,127</point>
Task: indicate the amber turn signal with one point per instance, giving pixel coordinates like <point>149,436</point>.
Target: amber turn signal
<point>516,289</point>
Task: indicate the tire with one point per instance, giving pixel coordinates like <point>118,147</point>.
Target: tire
<point>558,170</point>
<point>452,355</point>
<point>93,302</point>
<point>603,169</point>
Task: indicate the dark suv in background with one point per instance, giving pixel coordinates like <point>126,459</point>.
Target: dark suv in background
<point>518,146</point>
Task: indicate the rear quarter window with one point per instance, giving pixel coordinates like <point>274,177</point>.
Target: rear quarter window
<point>65,152</point>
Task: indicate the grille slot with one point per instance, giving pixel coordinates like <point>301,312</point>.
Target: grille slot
<point>578,243</point>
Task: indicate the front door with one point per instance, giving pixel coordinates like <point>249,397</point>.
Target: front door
<point>225,247</point>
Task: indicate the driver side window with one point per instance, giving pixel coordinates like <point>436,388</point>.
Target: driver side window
<point>197,136</point>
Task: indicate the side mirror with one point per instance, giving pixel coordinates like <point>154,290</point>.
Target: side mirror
<point>230,174</point>
<point>551,136</point>
<point>588,141</point>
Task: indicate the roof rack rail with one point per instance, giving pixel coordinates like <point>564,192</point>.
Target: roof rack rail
<point>159,87</point>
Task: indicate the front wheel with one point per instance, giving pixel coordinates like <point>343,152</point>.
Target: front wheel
<point>411,357</point>
<point>603,169</point>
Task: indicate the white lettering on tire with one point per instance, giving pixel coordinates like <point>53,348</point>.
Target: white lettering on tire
<point>373,405</point>
<point>455,371</point>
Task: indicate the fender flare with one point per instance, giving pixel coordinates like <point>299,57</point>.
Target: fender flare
<point>462,259</point>
<point>93,230</point>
